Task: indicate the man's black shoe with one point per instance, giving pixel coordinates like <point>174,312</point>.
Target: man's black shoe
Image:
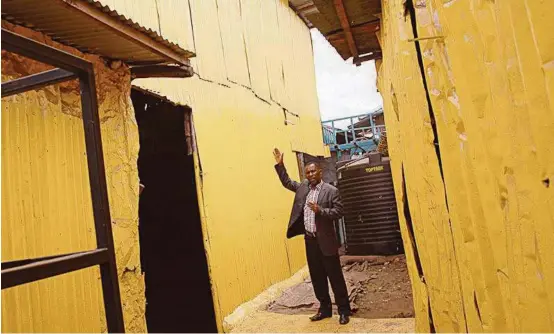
<point>320,316</point>
<point>344,319</point>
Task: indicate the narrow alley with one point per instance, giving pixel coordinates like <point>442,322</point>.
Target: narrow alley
<point>203,166</point>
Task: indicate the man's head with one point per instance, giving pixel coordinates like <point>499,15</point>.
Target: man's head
<point>313,173</point>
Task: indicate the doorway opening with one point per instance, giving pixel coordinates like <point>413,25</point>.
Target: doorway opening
<point>173,258</point>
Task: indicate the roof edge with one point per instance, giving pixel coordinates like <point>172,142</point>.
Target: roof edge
<point>131,30</point>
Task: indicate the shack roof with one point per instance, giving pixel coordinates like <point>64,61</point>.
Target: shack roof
<point>92,27</point>
<point>349,25</point>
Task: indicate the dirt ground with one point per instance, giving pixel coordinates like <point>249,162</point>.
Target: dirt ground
<point>388,293</point>
<point>378,287</point>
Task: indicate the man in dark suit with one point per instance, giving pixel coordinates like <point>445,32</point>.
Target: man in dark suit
<point>316,206</point>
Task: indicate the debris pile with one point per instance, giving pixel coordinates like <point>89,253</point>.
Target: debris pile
<point>378,287</point>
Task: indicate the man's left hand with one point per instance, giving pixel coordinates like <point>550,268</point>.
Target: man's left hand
<point>314,207</point>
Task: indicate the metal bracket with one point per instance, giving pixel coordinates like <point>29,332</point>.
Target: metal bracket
<point>425,38</point>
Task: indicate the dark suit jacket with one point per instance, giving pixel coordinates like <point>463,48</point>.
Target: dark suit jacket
<point>330,210</point>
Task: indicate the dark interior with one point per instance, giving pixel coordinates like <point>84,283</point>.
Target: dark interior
<point>173,260</point>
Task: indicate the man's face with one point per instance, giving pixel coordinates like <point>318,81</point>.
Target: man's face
<point>313,174</point>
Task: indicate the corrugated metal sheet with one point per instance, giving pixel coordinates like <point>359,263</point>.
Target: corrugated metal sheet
<point>46,200</point>
<point>370,214</point>
<point>478,219</point>
<point>227,108</point>
<point>359,12</point>
<point>303,8</point>
<point>46,210</point>
<point>248,120</point>
<point>71,27</point>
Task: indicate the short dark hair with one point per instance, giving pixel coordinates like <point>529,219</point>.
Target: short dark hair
<point>316,164</point>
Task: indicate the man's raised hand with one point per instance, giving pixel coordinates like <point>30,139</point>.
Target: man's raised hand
<point>278,156</point>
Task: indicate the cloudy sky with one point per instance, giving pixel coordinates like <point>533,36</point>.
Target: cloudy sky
<point>343,88</point>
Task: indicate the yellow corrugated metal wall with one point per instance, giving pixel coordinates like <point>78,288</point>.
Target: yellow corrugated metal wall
<point>254,59</point>
<point>479,237</point>
<point>254,71</point>
<point>46,202</point>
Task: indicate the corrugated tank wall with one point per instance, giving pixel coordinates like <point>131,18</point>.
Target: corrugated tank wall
<point>254,69</point>
<point>477,215</point>
<point>46,204</point>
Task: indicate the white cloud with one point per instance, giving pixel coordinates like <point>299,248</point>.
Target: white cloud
<point>343,88</point>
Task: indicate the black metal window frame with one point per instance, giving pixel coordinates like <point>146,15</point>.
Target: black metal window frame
<point>70,67</point>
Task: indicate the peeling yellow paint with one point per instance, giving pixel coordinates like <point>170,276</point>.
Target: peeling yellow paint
<point>46,205</point>
<point>484,253</point>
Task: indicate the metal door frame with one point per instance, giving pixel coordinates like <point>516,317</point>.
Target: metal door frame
<point>69,67</point>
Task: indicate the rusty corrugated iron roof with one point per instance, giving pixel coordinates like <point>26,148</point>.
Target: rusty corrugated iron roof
<point>92,27</point>
<point>303,8</point>
<point>363,20</point>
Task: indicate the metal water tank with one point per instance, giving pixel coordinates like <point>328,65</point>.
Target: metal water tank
<point>370,214</point>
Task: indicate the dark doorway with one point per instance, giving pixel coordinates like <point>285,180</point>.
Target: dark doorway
<point>173,260</point>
